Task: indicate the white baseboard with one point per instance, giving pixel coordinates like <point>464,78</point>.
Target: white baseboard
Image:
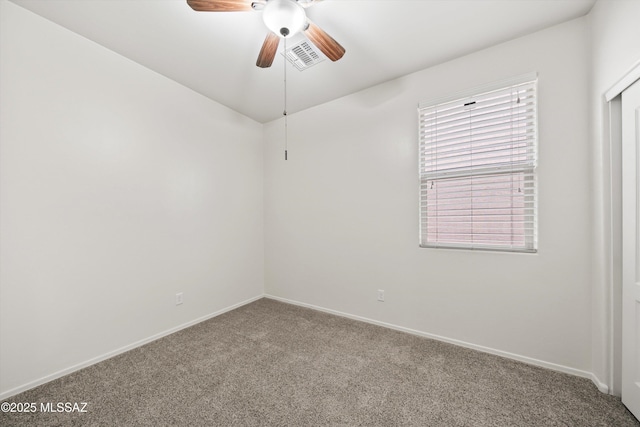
<point>121,350</point>
<point>560,368</point>
<point>601,386</point>
<point>553,366</point>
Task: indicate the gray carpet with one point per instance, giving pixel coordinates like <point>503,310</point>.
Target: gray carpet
<point>270,363</point>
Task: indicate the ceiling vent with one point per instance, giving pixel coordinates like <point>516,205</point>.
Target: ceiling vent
<point>304,55</point>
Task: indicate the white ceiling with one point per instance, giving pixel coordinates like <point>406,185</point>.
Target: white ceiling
<point>215,53</point>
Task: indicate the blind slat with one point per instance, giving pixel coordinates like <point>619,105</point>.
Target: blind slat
<point>480,115</point>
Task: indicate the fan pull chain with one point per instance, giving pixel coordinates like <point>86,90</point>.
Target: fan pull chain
<point>286,124</point>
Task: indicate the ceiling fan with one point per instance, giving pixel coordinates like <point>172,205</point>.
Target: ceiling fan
<point>283,18</point>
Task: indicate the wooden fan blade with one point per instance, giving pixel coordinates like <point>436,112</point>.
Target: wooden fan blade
<point>220,5</point>
<point>268,51</point>
<point>324,42</point>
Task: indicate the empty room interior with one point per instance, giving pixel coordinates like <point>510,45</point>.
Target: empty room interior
<point>208,218</point>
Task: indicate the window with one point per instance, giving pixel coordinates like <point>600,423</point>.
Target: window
<point>478,169</point>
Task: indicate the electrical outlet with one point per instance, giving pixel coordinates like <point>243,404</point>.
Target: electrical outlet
<point>380,295</point>
<point>179,298</point>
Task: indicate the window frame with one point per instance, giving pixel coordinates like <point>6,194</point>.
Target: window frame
<point>529,171</point>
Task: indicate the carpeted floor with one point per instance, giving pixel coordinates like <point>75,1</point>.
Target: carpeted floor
<point>270,363</point>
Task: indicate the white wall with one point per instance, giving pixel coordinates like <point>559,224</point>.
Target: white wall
<point>615,41</point>
<point>119,188</point>
<point>341,215</point>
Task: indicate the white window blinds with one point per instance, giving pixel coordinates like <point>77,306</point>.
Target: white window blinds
<point>477,169</point>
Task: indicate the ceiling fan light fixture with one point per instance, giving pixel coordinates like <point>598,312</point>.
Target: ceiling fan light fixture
<point>285,18</point>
